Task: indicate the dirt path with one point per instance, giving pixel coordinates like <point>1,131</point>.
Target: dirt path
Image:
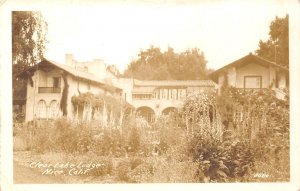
<point>27,175</point>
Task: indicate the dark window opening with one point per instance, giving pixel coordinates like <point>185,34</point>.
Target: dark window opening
<point>56,82</point>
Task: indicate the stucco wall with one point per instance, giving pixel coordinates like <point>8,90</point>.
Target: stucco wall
<point>252,69</point>
<point>45,79</point>
<point>158,105</point>
<point>282,81</point>
<point>97,67</point>
<point>126,85</point>
<point>231,77</point>
<point>221,79</point>
<point>272,76</point>
<point>191,90</point>
<point>30,97</point>
<point>236,76</point>
<point>40,79</point>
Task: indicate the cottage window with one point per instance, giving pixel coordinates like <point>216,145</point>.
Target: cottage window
<point>253,82</point>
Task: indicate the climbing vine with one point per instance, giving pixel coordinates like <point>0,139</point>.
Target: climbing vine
<point>100,101</point>
<point>201,115</point>
<point>64,97</point>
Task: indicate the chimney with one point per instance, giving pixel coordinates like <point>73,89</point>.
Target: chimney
<point>69,60</point>
<point>97,67</point>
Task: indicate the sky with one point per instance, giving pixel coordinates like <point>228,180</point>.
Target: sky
<point>117,32</point>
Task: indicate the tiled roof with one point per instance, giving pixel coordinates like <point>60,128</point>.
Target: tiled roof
<point>184,83</point>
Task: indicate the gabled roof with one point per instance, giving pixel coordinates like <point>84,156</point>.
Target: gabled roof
<point>246,60</point>
<point>76,73</point>
<point>183,83</point>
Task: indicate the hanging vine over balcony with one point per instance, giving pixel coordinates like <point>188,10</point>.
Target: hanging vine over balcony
<point>99,101</point>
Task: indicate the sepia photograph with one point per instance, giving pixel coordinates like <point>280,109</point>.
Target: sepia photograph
<point>136,92</point>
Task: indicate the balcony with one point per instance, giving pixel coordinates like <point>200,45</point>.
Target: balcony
<point>49,90</point>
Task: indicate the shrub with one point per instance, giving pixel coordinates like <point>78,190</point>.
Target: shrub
<point>108,142</point>
<point>20,144</point>
<point>59,135</point>
<point>135,162</point>
<point>122,170</point>
<point>143,173</point>
<point>221,161</point>
<point>134,140</point>
<point>167,132</point>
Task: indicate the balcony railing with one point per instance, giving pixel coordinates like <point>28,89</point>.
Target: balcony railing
<point>49,90</point>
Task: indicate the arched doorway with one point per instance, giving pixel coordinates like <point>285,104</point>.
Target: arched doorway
<point>42,109</point>
<point>53,109</point>
<point>147,113</point>
<point>169,110</point>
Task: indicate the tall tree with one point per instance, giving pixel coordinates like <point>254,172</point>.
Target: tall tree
<point>28,38</point>
<point>276,48</point>
<point>152,64</point>
<point>28,45</point>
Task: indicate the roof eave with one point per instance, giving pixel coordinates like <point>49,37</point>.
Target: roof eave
<point>239,61</point>
<point>50,62</point>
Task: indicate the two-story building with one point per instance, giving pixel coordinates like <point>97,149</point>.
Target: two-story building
<point>51,86</point>
<point>152,98</point>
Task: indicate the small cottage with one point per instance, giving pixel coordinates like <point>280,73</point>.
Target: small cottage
<point>253,72</point>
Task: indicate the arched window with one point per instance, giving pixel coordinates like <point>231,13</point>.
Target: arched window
<point>147,113</point>
<point>42,109</point>
<point>169,110</point>
<point>53,109</point>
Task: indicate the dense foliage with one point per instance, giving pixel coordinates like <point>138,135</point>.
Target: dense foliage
<point>152,64</point>
<point>235,136</point>
<point>262,120</point>
<point>220,158</point>
<point>28,38</point>
<point>28,46</point>
<point>276,48</point>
